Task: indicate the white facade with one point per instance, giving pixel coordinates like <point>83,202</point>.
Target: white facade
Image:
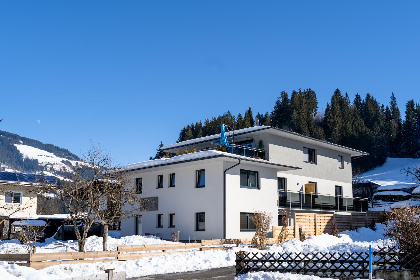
<point>224,202</point>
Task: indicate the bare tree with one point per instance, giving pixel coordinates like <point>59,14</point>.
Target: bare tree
<point>96,192</point>
<point>80,193</point>
<point>262,221</point>
<point>119,200</point>
<point>30,231</point>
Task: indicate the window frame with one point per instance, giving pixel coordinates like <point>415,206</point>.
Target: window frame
<point>307,152</point>
<point>139,185</point>
<point>248,222</point>
<point>341,161</point>
<point>284,179</point>
<point>159,182</point>
<point>171,220</point>
<point>13,197</point>
<point>159,221</point>
<point>197,228</point>
<point>172,180</point>
<point>257,180</point>
<point>198,173</point>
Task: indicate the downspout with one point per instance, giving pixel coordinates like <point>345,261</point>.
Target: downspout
<point>224,196</point>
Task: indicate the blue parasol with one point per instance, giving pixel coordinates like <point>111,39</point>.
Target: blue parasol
<point>223,137</point>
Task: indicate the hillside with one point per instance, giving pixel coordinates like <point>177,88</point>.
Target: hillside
<point>21,154</point>
<point>394,187</point>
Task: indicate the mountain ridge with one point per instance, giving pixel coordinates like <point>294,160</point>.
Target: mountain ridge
<point>26,155</point>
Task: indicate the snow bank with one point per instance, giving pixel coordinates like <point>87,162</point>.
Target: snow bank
<point>349,241</point>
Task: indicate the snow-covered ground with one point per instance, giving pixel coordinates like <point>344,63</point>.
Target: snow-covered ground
<point>349,241</point>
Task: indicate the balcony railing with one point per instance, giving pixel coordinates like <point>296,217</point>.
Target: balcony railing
<point>246,151</point>
<point>299,200</point>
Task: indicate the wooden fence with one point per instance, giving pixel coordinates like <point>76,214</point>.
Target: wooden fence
<point>123,253</point>
<point>315,224</point>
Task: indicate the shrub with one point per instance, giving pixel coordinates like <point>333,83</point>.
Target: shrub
<point>262,221</point>
<point>403,225</point>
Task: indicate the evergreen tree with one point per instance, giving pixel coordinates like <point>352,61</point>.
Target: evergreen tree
<point>248,118</point>
<point>282,113</point>
<point>267,120</point>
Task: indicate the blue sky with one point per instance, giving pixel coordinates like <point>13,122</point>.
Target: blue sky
<point>128,74</point>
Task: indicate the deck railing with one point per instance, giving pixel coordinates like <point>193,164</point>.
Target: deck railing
<point>299,200</point>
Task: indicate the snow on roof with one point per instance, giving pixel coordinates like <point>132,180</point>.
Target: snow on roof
<point>197,156</point>
<point>33,223</point>
<point>283,132</point>
<point>406,203</point>
<point>416,191</point>
<point>391,193</point>
<point>35,216</point>
<point>395,187</point>
<point>215,137</point>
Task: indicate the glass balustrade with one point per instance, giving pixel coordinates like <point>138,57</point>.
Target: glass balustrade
<point>298,200</point>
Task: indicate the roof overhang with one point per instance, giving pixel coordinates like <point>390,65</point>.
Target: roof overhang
<point>205,155</point>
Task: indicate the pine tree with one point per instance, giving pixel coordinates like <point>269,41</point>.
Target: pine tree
<point>239,122</point>
<point>282,113</point>
<point>267,120</point>
<point>248,118</point>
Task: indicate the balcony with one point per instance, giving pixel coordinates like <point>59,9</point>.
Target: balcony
<point>299,200</point>
<point>246,151</point>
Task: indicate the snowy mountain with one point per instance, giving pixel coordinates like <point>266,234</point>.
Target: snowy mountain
<point>21,154</point>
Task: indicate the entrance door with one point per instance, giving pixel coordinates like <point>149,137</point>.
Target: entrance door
<point>138,225</point>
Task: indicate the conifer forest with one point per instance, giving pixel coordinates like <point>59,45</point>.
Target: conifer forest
<point>363,124</point>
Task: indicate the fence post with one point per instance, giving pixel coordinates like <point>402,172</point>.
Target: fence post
<point>315,224</point>
<point>240,262</point>
<point>370,262</point>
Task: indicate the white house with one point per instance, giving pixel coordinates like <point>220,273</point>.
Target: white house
<point>209,194</point>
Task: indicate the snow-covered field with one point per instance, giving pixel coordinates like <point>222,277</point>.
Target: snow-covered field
<point>350,241</point>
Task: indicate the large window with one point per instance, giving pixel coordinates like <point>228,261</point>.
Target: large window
<point>13,197</point>
<point>201,178</point>
<point>139,185</point>
<point>172,220</point>
<point>172,180</point>
<point>200,221</point>
<point>309,155</point>
<point>246,222</point>
<point>159,222</point>
<point>160,181</point>
<point>249,179</point>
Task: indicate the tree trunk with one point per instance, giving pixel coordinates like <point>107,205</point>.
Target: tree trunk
<point>105,237</point>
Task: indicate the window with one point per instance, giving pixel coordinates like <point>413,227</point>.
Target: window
<point>340,162</point>
<point>200,221</point>
<point>159,222</point>
<point>281,184</point>
<point>249,179</point>
<point>171,220</point>
<point>201,178</point>
<point>139,185</point>
<point>172,180</point>
<point>309,155</point>
<point>160,182</point>
<point>13,197</point>
<point>246,222</point>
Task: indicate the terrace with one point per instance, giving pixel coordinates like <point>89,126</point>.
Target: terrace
<point>300,200</point>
